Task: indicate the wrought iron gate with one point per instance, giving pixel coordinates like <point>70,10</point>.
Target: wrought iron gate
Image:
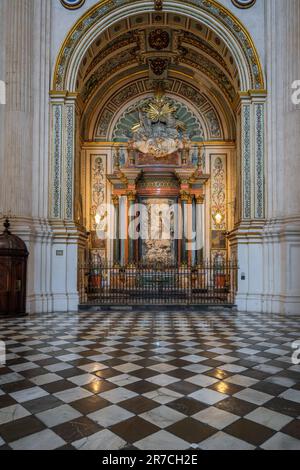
<point>205,284</point>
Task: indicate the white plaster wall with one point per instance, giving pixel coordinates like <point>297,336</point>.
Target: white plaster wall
<point>282,231</point>
<point>254,20</point>
<point>62,21</point>
<point>25,65</point>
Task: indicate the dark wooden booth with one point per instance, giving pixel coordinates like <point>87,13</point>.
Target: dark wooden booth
<point>13,273</point>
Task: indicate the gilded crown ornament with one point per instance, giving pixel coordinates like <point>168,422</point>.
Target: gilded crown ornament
<point>158,133</point>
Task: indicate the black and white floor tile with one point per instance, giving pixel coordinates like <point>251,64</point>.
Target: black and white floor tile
<point>150,380</point>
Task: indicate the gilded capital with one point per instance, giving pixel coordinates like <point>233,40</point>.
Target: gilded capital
<point>200,199</point>
<point>115,199</point>
<point>184,196</point>
<point>131,196</point>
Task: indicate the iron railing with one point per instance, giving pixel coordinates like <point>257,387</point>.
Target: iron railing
<point>205,284</point>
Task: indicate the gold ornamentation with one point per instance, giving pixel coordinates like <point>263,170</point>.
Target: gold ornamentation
<point>159,110</point>
<point>200,200</point>
<point>159,39</point>
<point>131,196</point>
<point>184,196</point>
<point>115,199</point>
<point>158,65</point>
<point>159,133</point>
<point>158,5</point>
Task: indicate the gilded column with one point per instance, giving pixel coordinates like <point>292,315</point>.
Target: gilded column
<point>116,203</point>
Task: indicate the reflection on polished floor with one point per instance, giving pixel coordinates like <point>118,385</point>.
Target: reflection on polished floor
<point>150,380</point>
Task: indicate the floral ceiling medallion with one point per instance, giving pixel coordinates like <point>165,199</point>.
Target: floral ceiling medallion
<point>72,4</point>
<point>243,3</point>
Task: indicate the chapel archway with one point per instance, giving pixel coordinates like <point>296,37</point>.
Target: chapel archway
<point>115,58</point>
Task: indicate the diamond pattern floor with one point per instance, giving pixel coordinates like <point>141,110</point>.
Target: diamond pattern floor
<point>150,380</point>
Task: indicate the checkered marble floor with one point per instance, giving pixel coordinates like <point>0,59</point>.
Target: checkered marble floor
<point>150,380</point>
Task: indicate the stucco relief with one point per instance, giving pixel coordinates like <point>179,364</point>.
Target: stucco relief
<point>193,128</point>
<point>98,185</point>
<point>218,191</point>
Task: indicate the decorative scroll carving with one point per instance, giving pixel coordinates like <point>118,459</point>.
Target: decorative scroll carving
<point>259,130</point>
<point>106,69</point>
<point>158,65</point>
<point>57,161</point>
<point>104,123</point>
<point>98,184</point>
<point>215,73</point>
<point>114,45</point>
<point>126,94</point>
<point>159,39</point>
<point>70,118</point>
<point>218,191</point>
<point>214,125</point>
<point>246,149</point>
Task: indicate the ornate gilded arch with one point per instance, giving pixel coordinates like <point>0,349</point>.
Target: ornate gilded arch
<point>212,13</point>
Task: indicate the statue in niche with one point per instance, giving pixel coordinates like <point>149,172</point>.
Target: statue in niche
<point>158,246</point>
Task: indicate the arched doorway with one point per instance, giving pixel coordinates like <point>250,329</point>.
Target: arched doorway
<point>113,59</point>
